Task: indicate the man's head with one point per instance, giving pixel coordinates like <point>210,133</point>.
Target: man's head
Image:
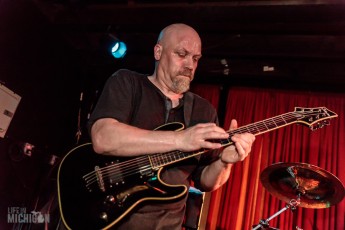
<point>177,53</point>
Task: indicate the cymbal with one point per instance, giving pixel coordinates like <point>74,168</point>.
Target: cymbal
<point>314,186</point>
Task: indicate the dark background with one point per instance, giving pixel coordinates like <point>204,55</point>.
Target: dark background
<point>51,51</point>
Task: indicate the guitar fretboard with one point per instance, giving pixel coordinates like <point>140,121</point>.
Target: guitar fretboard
<point>268,124</point>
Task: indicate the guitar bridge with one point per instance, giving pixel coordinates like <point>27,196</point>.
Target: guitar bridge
<point>99,177</point>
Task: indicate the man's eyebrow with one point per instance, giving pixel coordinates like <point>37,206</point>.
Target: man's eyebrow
<point>188,52</point>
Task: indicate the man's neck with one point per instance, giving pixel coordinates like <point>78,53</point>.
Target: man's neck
<point>174,97</point>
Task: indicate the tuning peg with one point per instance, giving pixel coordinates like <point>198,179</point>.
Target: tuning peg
<point>326,122</point>
<point>319,125</point>
<point>316,126</point>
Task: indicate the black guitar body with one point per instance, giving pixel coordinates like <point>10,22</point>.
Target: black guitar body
<point>103,199</point>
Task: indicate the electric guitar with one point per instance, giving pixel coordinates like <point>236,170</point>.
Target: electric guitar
<point>97,191</point>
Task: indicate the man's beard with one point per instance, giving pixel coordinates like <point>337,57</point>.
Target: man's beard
<point>181,84</point>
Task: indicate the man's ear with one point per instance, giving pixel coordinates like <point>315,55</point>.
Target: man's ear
<point>157,50</point>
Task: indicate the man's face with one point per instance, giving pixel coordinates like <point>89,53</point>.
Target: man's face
<point>178,61</point>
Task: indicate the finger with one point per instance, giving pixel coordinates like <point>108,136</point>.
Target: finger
<point>233,124</point>
<point>210,145</point>
<point>246,137</point>
<point>242,151</point>
<point>211,131</point>
<point>204,125</point>
<point>244,140</point>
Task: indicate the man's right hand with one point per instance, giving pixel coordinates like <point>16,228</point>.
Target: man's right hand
<point>200,136</point>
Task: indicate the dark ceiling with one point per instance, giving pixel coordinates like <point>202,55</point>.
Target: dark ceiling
<point>277,42</point>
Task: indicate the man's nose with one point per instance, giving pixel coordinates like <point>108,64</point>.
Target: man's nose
<point>189,63</point>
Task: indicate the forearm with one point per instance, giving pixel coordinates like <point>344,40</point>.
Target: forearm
<point>215,175</point>
<point>114,138</point>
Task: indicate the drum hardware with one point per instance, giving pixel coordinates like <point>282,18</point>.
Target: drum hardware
<point>300,184</point>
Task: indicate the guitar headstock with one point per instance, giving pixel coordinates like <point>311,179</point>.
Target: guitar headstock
<point>315,118</point>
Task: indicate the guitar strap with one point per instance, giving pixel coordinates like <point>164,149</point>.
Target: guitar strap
<point>187,107</point>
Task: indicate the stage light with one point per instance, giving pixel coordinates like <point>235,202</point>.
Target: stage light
<point>118,48</point>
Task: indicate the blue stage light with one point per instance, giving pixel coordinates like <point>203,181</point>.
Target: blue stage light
<point>119,49</point>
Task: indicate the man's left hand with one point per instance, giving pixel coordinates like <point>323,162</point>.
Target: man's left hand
<point>241,147</point>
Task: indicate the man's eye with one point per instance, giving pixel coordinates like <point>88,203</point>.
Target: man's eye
<point>181,54</point>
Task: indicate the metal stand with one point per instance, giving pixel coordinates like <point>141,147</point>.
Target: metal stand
<point>265,223</point>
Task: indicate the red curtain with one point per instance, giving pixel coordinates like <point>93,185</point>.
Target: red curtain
<point>243,201</point>
<point>209,92</point>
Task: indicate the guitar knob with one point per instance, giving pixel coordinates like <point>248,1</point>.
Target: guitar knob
<point>110,199</point>
<point>104,216</point>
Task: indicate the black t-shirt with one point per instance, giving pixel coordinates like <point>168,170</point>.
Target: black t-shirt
<point>133,99</point>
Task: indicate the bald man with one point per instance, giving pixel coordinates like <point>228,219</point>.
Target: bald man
<point>124,124</point>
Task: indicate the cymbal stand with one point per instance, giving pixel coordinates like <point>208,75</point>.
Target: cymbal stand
<point>265,223</point>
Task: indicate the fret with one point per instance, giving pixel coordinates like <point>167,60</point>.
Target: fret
<point>165,159</point>
<point>252,129</point>
<point>152,161</point>
<point>262,126</point>
<point>280,121</point>
<point>169,158</point>
<point>270,123</point>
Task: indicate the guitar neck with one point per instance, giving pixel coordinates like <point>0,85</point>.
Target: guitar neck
<point>260,127</point>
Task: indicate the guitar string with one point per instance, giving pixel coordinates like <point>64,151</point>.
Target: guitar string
<point>130,167</point>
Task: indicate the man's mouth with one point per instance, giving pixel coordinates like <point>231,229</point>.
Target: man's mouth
<point>186,74</point>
